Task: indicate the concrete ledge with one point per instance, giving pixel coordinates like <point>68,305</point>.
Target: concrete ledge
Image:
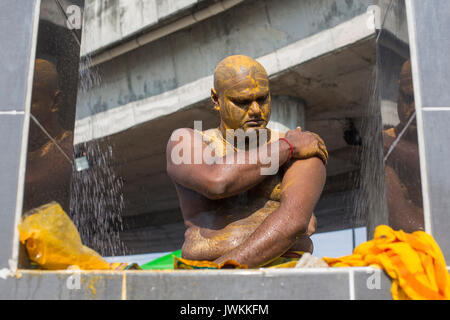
<point>240,285</point>
<point>262,284</point>
<point>61,285</point>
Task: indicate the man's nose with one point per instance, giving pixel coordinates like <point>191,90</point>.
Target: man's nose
<point>254,108</point>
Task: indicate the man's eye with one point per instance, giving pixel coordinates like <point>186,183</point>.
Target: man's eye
<point>261,100</point>
<point>241,103</point>
<point>408,99</point>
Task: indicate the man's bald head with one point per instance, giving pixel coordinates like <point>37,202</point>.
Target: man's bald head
<point>46,96</point>
<point>241,93</point>
<point>45,77</point>
<point>406,81</point>
<point>44,102</point>
<point>234,69</point>
<point>406,105</point>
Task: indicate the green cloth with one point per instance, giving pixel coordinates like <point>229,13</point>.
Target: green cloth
<point>162,263</point>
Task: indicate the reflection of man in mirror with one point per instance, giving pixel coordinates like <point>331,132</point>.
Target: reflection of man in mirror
<point>404,193</point>
<point>48,169</point>
<point>232,211</point>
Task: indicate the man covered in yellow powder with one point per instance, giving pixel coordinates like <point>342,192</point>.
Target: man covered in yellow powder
<point>404,191</point>
<point>49,169</point>
<point>231,210</point>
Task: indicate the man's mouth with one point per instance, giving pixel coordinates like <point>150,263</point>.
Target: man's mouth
<point>254,122</point>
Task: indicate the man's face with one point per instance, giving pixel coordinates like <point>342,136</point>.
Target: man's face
<point>406,104</point>
<point>245,101</point>
<point>43,101</point>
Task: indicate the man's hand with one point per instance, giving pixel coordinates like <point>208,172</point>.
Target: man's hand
<point>307,145</point>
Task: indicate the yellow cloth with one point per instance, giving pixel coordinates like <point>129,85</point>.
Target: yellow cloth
<point>288,260</point>
<point>413,261</point>
<point>186,264</point>
<point>52,242</point>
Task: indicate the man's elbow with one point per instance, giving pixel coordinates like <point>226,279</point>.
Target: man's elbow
<point>300,227</point>
<point>305,227</point>
<point>312,226</point>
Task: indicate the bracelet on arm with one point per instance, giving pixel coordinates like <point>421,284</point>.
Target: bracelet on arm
<point>290,145</point>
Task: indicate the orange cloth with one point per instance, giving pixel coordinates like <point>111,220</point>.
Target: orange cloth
<point>414,262</point>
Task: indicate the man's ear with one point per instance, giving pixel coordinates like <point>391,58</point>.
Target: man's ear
<point>57,99</point>
<point>215,99</point>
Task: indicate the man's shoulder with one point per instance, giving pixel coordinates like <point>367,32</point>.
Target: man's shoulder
<point>275,135</point>
<point>179,134</point>
<point>211,133</point>
<point>180,131</point>
<point>189,137</point>
<point>193,133</point>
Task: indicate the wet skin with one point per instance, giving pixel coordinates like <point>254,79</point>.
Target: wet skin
<point>231,211</point>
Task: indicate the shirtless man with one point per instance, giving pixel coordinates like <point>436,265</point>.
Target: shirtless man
<point>404,190</point>
<point>232,211</point>
<point>48,170</point>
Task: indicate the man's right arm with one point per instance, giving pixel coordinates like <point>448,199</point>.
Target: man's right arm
<point>213,177</point>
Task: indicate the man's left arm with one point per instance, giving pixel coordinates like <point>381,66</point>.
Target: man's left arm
<point>301,187</point>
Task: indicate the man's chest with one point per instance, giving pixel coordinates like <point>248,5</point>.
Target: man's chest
<point>269,190</point>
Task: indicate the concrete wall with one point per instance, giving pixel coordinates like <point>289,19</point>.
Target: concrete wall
<point>110,22</point>
<point>254,28</point>
<point>326,43</point>
<point>428,26</point>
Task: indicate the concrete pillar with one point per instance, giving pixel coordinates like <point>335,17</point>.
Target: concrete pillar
<point>18,20</point>
<point>287,113</point>
<point>428,24</point>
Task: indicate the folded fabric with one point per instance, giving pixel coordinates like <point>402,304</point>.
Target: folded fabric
<point>287,260</point>
<point>120,266</point>
<point>186,264</point>
<point>413,261</point>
